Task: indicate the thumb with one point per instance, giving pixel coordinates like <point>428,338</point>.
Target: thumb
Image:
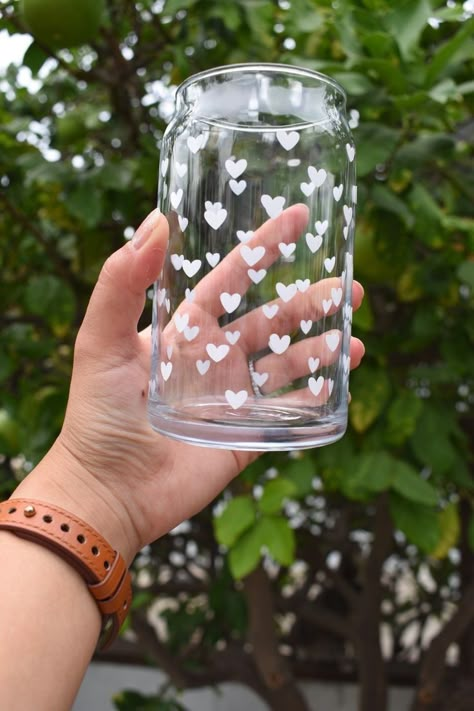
<point>119,296</point>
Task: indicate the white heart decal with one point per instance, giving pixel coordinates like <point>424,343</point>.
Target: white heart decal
<point>306,326</point>
<point>332,341</point>
<point>166,369</point>
<point>181,169</point>
<point>313,364</point>
<point>217,353</point>
<point>345,231</point>
<point>321,227</point>
<point>279,344</point>
<point>213,259</point>
<point>235,168</point>
<point>257,276</point>
<point>244,236</point>
<point>167,305</point>
<point>230,302</point>
<point>236,400</point>
<point>161,296</point>
<point>164,167</point>
<point>287,249</point>
<point>237,187</point>
<point>307,188</point>
<point>288,139</point>
<point>260,378</point>
<point>183,222</point>
<point>337,192</point>
<point>354,194</point>
<point>176,198</point>
<point>347,311</point>
<point>189,295</point>
<point>350,150</point>
<point>273,206</point>
<point>317,176</point>
<point>165,190</point>
<point>346,362</point>
<point>347,213</point>
<point>286,292</point>
<point>191,268</point>
<point>215,214</point>
<point>329,263</point>
<point>203,366</point>
<point>195,143</point>
<point>177,261</point>
<point>232,337</point>
<point>327,303</point>
<point>169,351</point>
<point>313,241</point>
<point>336,296</point>
<point>302,285</point>
<point>251,256</point>
<point>181,321</point>
<point>270,310</point>
<point>316,385</point>
<point>191,333</point>
<point>330,385</point>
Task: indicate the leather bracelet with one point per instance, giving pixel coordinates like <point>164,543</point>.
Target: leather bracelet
<point>81,546</point>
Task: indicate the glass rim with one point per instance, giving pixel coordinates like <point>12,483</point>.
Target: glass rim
<point>271,67</point>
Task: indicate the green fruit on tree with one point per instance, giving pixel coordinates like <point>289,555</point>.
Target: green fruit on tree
<point>62,23</point>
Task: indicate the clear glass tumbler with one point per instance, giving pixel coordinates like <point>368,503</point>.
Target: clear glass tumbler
<point>252,311</point>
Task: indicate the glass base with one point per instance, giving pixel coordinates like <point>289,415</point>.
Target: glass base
<point>258,426</point>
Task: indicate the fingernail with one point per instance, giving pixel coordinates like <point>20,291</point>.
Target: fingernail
<point>145,230</point>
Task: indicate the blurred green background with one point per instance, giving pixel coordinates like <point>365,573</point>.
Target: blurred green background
<point>355,561</point>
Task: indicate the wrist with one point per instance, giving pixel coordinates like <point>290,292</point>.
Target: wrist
<point>62,480</point>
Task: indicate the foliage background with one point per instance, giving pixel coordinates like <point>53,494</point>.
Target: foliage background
<point>353,561</point>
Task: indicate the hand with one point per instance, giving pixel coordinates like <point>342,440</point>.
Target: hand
<point>108,466</point>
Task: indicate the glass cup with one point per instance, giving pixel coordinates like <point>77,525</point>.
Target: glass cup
<point>252,311</point>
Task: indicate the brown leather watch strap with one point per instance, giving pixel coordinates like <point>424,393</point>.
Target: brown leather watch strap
<point>80,545</point>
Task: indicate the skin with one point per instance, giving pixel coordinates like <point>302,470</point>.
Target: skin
<point>109,468</point>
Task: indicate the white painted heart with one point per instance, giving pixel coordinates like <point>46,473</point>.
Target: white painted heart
<point>191,333</point>
<point>273,205</point>
<point>307,188</point>
<point>270,310</point>
<point>347,213</point>
<point>181,169</point>
<point>215,215</point>
<point>177,261</point>
<point>288,139</point>
<point>164,166</point>
<point>327,303</point>
<point>181,321</point>
<point>345,231</point>
<point>316,385</point>
<point>166,369</point>
<point>236,400</point>
<point>287,249</point>
<point>167,305</point>
<point>314,242</point>
<point>176,197</point>
<point>332,341</point>
<point>203,366</point>
<point>286,292</point>
<point>279,344</point>
<point>191,268</point>
<point>354,194</point>
<point>337,192</point>
<point>165,190</point>
<point>306,326</point>
<point>346,362</point>
<point>329,263</point>
<point>230,302</point>
<point>336,296</point>
<point>213,259</point>
<point>232,337</point>
<point>244,236</point>
<point>189,295</point>
<point>237,187</point>
<point>321,227</point>
<point>183,222</point>
<point>347,311</point>
<point>217,353</point>
<point>313,364</point>
<point>350,150</point>
<point>252,256</point>
<point>302,285</point>
<point>195,143</point>
<point>169,351</point>
<point>330,385</point>
<point>256,276</point>
<point>235,168</point>
<point>161,296</point>
<point>260,378</point>
<point>317,176</point>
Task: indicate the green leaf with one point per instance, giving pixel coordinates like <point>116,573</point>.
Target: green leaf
<point>445,91</point>
<point>355,83</point>
<point>51,298</point>
<point>279,538</point>
<point>406,22</point>
<point>237,517</point>
<point>85,203</point>
<point>419,523</point>
<point>452,52</point>
<point>375,143</point>
<point>370,389</point>
<point>34,58</point>
<point>274,493</point>
<point>402,417</point>
<point>465,273</point>
<point>300,472</point>
<point>431,441</point>
<point>387,200</point>
<point>172,6</point>
<point>370,474</point>
<point>425,148</point>
<point>244,556</point>
<point>409,484</point>
<point>450,530</point>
